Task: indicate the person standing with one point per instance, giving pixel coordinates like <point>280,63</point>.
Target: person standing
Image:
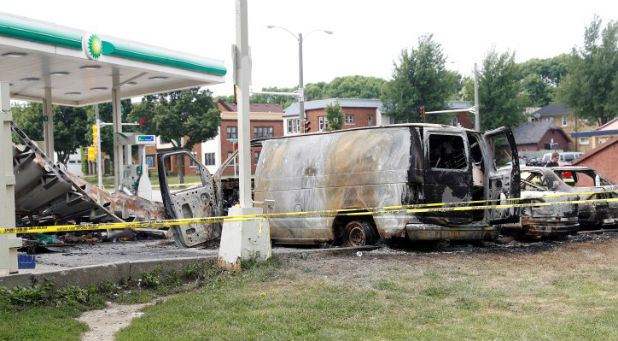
<point>554,160</point>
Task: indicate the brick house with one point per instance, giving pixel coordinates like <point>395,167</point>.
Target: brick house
<point>266,121</point>
<point>603,158</point>
<point>562,116</point>
<point>358,112</point>
<point>540,136</point>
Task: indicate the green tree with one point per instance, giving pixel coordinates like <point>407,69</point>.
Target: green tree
<point>185,118</point>
<point>420,79</point>
<point>29,118</point>
<point>353,87</point>
<point>71,127</point>
<point>591,86</point>
<point>541,77</point>
<point>334,116</point>
<point>501,98</point>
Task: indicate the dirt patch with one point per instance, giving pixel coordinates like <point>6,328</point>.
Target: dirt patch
<point>106,322</point>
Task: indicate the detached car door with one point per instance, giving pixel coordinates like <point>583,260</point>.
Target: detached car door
<point>503,177</point>
<point>191,200</point>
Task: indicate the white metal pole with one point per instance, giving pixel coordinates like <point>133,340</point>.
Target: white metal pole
<point>301,85</point>
<point>8,242</point>
<point>49,143</point>
<point>99,158</point>
<point>244,78</point>
<point>117,128</point>
<point>477,116</point>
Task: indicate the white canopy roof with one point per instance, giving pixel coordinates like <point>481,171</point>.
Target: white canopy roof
<point>79,66</point>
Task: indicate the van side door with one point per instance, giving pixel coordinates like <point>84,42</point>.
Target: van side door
<point>503,176</point>
<point>448,174</point>
<point>197,200</point>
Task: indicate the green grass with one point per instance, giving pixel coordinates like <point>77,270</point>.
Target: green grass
<point>46,313</point>
<point>108,181</point>
<point>544,296</point>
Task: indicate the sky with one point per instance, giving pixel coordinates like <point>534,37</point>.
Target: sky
<point>367,39</point>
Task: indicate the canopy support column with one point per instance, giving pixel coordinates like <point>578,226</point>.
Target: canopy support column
<point>48,126</point>
<point>117,128</point>
<point>9,243</point>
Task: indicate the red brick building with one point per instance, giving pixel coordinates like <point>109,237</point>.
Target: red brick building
<point>603,158</point>
<point>536,136</point>
<point>266,120</point>
<point>358,112</point>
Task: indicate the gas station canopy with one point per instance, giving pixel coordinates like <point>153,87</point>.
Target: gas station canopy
<point>79,66</point>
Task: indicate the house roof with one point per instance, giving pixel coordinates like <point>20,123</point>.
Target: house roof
<point>553,109</point>
<point>609,125</point>
<point>293,109</point>
<point>257,107</point>
<point>532,132</point>
<point>596,150</point>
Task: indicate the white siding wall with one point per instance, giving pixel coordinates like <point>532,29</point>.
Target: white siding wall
<point>212,146</point>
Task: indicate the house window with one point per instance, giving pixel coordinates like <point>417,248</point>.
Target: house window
<point>150,161</point>
<point>564,121</point>
<point>256,157</point>
<point>262,132</point>
<point>584,140</point>
<point>349,119</point>
<point>192,163</point>
<point>229,154</point>
<point>321,123</point>
<point>370,120</point>
<point>547,119</point>
<point>232,132</point>
<point>290,126</point>
<point>209,159</point>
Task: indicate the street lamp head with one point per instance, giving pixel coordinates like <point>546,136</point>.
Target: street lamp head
<point>270,26</point>
<point>328,32</point>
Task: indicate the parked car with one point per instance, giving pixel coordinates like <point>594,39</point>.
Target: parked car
<point>365,168</point>
<point>565,159</point>
<point>576,180</point>
<point>543,221</point>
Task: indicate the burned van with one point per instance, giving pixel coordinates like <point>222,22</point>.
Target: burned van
<point>366,169</point>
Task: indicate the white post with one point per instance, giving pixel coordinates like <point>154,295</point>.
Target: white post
<point>477,116</point>
<point>99,158</point>
<point>49,113</point>
<point>117,128</point>
<point>8,242</point>
<point>243,240</point>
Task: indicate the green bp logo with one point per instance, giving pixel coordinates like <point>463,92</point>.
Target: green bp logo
<point>93,46</point>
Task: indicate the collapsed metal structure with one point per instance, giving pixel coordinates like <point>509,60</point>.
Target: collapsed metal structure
<point>47,194</point>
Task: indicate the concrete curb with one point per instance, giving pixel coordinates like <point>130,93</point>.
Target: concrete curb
<point>90,275</point>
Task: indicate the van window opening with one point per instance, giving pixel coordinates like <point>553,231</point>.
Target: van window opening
<point>447,152</point>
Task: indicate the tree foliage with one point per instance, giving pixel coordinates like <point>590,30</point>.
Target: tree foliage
<point>182,118</point>
<point>591,86</point>
<point>500,91</point>
<point>541,77</point>
<point>334,116</point>
<point>420,79</point>
<point>71,125</point>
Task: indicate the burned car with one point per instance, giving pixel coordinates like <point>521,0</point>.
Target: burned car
<point>591,185</point>
<point>361,170</point>
<point>543,221</point>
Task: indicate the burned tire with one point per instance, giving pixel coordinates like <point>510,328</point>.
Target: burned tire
<point>358,233</point>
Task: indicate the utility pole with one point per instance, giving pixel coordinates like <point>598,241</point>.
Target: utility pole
<point>301,84</point>
<point>477,116</point>
<point>98,142</point>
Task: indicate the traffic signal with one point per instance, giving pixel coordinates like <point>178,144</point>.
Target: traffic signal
<point>306,126</point>
<point>142,122</point>
<point>422,112</point>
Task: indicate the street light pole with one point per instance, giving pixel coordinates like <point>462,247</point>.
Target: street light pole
<point>301,85</point>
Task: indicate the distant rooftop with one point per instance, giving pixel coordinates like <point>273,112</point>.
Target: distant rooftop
<point>233,107</point>
<point>553,109</point>
<point>532,132</point>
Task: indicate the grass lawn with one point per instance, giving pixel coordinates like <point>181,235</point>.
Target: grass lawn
<point>569,292</point>
<point>41,323</point>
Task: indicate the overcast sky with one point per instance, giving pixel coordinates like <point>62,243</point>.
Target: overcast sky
<point>368,35</point>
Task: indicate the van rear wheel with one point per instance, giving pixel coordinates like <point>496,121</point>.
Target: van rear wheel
<point>358,233</point>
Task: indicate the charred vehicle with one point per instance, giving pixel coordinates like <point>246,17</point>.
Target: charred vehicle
<point>576,179</point>
<point>543,221</point>
<point>363,169</point>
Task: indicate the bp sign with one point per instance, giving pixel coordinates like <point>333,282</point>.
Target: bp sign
<point>94,47</point>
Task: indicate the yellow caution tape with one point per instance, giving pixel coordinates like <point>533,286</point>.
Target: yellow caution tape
<point>350,212</point>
